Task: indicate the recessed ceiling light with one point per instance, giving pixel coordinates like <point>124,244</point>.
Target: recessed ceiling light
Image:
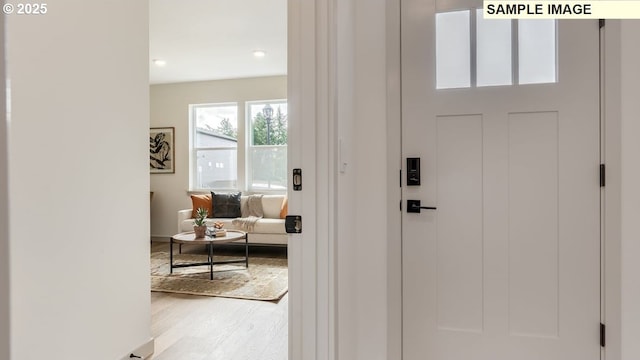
<point>159,62</point>
<point>259,53</point>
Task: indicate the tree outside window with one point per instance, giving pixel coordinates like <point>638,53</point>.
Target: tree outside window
<point>268,148</point>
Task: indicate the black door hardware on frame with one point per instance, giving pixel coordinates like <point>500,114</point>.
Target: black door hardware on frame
<point>297,179</point>
<point>413,171</point>
<point>293,224</point>
<point>413,206</point>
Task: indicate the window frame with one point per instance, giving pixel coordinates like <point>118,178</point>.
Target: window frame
<point>193,150</point>
<point>515,60</point>
<point>244,146</point>
<point>249,145</point>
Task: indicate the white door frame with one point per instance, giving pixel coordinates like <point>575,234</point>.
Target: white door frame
<point>611,138</point>
<point>621,76</point>
<point>311,88</point>
<point>311,97</point>
<point>4,212</point>
<point>620,154</point>
<point>338,291</point>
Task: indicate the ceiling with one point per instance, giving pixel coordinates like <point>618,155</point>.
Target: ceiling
<point>215,39</point>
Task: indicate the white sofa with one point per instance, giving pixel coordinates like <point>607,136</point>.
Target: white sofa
<point>269,230</point>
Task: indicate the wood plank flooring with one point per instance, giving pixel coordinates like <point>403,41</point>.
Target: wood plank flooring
<point>187,327</point>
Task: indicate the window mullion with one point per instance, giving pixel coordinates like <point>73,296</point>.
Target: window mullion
<point>473,50</point>
<point>515,49</point>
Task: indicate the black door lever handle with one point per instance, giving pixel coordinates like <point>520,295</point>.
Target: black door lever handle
<point>413,206</point>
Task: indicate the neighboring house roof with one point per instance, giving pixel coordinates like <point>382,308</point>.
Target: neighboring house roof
<point>215,134</point>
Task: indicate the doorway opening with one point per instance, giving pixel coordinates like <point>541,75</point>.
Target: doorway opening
<point>218,78</point>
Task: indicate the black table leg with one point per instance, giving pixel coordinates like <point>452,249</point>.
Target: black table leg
<point>211,261</point>
<point>246,250</point>
<point>171,255</point>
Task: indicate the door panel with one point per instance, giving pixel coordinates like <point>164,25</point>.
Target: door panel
<point>507,267</point>
<point>533,249</point>
<point>459,248</point>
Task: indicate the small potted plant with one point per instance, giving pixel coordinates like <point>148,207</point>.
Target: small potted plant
<point>199,225</point>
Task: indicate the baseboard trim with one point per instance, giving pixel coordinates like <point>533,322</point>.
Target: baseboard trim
<point>144,351</point>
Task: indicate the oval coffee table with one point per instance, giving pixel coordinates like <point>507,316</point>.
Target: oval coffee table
<point>190,238</point>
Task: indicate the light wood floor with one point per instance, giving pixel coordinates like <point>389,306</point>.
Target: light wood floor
<point>187,327</point>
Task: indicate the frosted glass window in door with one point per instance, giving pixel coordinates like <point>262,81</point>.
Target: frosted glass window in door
<point>493,49</point>
<point>537,51</point>
<point>453,50</point>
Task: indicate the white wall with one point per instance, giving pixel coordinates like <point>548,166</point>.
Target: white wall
<point>78,180</point>
<point>367,191</point>
<point>370,157</point>
<point>347,247</point>
<point>630,205</point>
<point>4,212</point>
<point>170,107</point>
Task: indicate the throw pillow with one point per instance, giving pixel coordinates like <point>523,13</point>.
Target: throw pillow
<point>201,201</point>
<point>226,205</point>
<point>284,210</point>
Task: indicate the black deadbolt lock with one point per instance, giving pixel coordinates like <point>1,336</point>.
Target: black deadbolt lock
<point>293,224</point>
<point>297,179</point>
<point>413,171</point>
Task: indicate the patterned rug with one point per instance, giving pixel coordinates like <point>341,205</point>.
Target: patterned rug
<point>265,279</point>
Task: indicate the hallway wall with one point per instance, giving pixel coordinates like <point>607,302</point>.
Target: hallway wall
<point>79,181</point>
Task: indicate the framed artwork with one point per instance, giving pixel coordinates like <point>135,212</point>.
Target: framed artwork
<point>161,150</point>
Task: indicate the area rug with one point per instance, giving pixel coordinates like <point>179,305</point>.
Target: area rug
<point>265,279</point>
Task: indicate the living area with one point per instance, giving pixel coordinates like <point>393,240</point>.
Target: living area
<point>218,100</point>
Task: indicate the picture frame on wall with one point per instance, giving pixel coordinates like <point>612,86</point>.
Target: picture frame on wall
<point>161,150</point>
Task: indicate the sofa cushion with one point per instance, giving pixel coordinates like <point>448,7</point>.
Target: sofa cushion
<point>269,226</point>
<point>271,205</point>
<point>226,205</point>
<point>198,201</point>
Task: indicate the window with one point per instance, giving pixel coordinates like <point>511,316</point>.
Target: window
<point>473,52</point>
<point>214,141</point>
<point>250,155</point>
<point>453,58</point>
<point>537,49</point>
<point>267,168</point>
<point>493,42</point>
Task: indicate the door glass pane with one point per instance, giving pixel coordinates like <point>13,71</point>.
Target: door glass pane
<point>537,51</point>
<point>493,43</point>
<point>453,54</point>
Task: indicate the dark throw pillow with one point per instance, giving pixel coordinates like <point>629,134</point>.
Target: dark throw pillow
<point>226,205</point>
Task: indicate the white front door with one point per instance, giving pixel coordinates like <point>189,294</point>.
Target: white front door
<point>504,117</point>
